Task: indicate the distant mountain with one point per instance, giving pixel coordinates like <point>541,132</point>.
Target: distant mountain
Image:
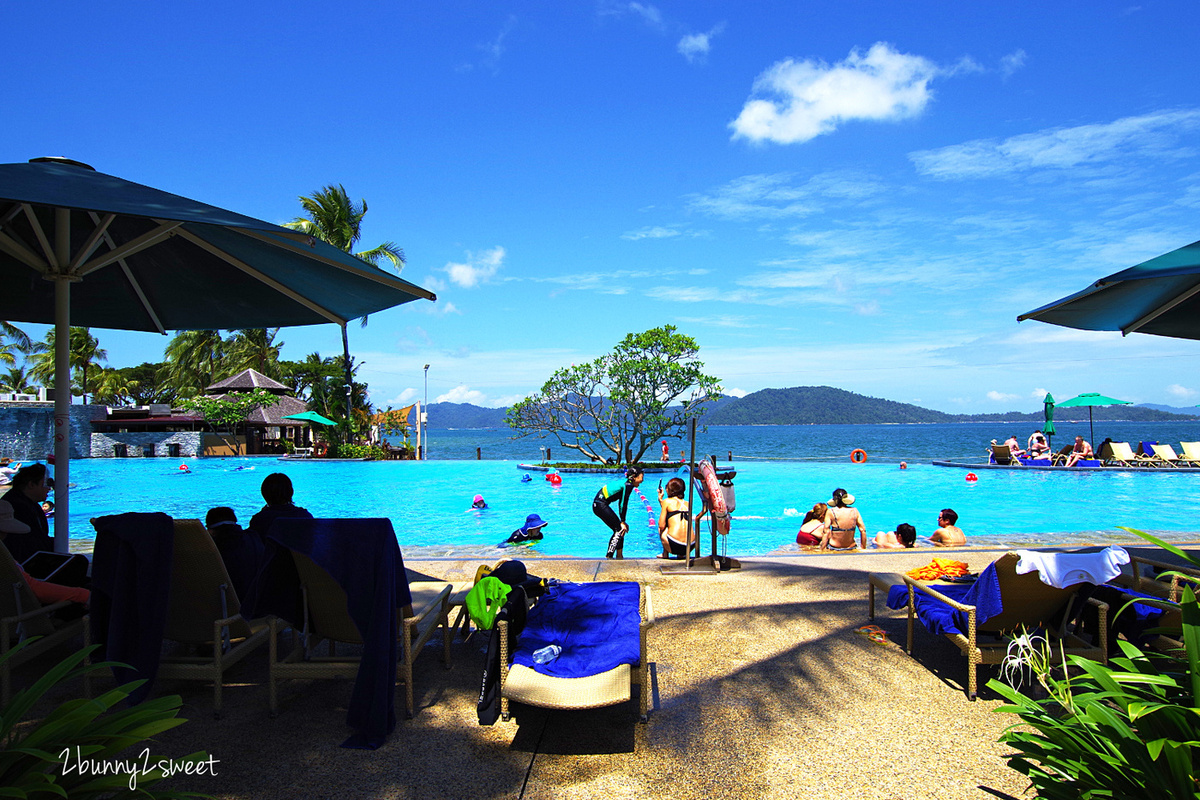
<point>824,405</point>
<point>464,415</point>
<point>1188,411</point>
<point>816,405</point>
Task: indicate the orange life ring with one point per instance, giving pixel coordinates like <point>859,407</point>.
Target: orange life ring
<point>716,499</point>
<point>858,456</point>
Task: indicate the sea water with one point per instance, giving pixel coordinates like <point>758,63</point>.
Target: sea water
<point>782,472</point>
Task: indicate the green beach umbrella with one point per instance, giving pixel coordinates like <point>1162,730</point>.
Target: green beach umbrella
<point>311,416</point>
<point>1092,400</point>
<point>1048,410</point>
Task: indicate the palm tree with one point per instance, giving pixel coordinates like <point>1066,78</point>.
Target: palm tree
<point>13,340</point>
<point>334,218</point>
<point>194,360</point>
<point>113,386</point>
<point>84,351</point>
<point>254,348</point>
<point>17,382</point>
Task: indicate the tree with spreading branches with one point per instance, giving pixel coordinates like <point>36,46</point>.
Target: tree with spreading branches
<point>617,406</point>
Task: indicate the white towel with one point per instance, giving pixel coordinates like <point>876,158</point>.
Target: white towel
<point>1067,569</point>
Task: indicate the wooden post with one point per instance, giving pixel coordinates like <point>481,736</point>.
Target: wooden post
<point>479,454</point>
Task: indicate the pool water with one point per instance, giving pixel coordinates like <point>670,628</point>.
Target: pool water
<point>429,502</point>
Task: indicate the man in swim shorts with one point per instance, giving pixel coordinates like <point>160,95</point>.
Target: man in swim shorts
<point>618,493</point>
<point>948,533</point>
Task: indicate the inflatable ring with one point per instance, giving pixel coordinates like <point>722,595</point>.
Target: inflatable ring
<point>858,456</point>
<point>716,499</point>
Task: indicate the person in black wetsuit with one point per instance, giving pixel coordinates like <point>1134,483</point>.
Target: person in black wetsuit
<point>618,493</point>
<point>531,531</point>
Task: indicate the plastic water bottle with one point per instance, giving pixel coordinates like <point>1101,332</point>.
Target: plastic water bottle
<point>546,654</point>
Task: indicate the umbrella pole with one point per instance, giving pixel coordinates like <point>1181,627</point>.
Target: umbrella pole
<point>1091,428</point>
<point>62,384</point>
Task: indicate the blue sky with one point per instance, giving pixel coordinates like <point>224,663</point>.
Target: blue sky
<point>862,195</point>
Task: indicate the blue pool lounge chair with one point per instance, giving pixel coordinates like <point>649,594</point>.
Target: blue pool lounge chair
<point>981,617</point>
<point>601,628</point>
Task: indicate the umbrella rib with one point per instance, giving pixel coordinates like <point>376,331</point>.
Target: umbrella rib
<point>47,250</point>
<point>135,245</point>
<point>370,273</point>
<point>102,231</point>
<point>98,234</point>
<point>1156,313</point>
<point>22,253</point>
<point>252,272</point>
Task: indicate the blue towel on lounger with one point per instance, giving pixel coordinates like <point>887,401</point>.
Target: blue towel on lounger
<point>131,584</point>
<point>940,618</point>
<point>595,624</point>
<point>362,555</point>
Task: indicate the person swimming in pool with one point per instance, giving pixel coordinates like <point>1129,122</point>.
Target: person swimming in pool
<point>618,493</point>
<point>675,524</point>
<point>479,502</point>
<point>948,533</point>
<point>840,523</point>
<point>904,537</point>
<point>531,531</point>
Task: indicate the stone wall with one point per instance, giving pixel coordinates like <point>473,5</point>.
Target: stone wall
<point>27,429</point>
<point>135,443</point>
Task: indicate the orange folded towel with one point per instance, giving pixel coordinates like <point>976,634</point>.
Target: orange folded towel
<point>938,568</point>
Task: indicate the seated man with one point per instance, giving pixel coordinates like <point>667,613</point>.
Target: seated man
<point>1014,446</point>
<point>904,537</point>
<point>277,491</point>
<point>948,534</point>
<point>1082,450</point>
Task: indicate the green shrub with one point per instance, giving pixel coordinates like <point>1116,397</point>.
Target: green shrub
<point>41,759</point>
<point>1127,730</point>
<point>356,451</point>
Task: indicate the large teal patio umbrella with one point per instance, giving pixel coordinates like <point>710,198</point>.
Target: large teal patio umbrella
<point>311,416</point>
<point>78,247</point>
<point>1092,400</point>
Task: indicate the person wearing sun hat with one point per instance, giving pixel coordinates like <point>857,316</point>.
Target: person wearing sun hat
<point>531,531</point>
<point>840,523</point>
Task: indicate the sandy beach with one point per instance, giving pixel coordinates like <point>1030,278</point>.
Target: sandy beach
<point>761,689</point>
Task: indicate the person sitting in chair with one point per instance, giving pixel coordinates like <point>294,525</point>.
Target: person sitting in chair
<point>277,491</point>
<point>241,550</point>
<point>1080,451</point>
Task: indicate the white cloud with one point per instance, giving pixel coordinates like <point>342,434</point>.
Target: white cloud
<point>402,398</point>
<point>1155,134</point>
<point>657,232</point>
<point>1012,62</point>
<point>1181,392</point>
<point>1038,394</point>
<point>1001,397</point>
<point>695,46</point>
<point>735,392</point>
<point>798,101</point>
<point>780,196</point>
<point>461,394</point>
<point>648,13</point>
<point>478,268</point>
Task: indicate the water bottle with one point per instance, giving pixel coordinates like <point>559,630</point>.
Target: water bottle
<point>546,654</point>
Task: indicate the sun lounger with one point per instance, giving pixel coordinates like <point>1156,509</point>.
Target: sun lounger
<point>1002,454</point>
<point>343,581</point>
<point>202,609</point>
<point>23,617</point>
<point>1166,454</point>
<point>1191,451</point>
<point>601,628</point>
<point>1062,456</point>
<point>980,618</point>
<point>1121,454</point>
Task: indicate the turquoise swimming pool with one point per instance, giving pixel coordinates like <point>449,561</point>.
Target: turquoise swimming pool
<point>429,502</point>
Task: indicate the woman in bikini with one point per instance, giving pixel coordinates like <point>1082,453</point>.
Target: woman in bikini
<point>812,530</point>
<point>674,521</point>
<point>840,523</point>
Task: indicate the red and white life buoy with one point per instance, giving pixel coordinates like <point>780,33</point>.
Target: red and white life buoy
<point>716,498</point>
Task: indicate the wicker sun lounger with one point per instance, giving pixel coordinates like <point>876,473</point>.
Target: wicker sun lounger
<point>22,617</point>
<point>525,685</point>
<point>1026,602</point>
